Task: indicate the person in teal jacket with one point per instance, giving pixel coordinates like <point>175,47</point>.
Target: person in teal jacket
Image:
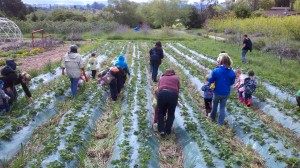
<point>223,77</point>
<point>123,67</point>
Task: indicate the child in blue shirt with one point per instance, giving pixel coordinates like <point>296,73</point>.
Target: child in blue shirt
<point>208,95</point>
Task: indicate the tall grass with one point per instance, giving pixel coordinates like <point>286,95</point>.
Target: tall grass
<point>270,26</point>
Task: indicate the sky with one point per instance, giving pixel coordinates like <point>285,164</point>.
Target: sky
<point>82,2</point>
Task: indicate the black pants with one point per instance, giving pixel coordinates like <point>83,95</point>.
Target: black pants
<point>113,90</point>
<point>13,96</point>
<point>120,82</point>
<point>154,65</point>
<point>94,73</point>
<point>166,101</point>
<point>298,100</point>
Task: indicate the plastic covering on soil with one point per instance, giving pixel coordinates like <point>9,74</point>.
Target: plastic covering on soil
<point>280,94</point>
<point>248,139</point>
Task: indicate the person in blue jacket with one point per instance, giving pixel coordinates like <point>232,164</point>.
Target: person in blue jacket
<point>223,77</point>
<point>123,67</point>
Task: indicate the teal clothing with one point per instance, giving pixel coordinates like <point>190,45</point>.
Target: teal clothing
<point>298,93</point>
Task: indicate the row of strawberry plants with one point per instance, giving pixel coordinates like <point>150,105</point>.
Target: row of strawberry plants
<point>49,147</point>
<point>280,117</point>
<point>256,127</point>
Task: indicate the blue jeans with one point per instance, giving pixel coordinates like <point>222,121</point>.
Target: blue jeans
<point>155,66</point>
<point>216,100</point>
<point>244,52</point>
<point>74,84</point>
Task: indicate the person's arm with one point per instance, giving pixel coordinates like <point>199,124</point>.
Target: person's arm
<point>26,90</point>
<point>127,70</point>
<point>162,54</point>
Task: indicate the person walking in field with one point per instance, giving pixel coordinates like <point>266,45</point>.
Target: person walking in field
<point>156,55</point>
<point>208,95</point>
<point>247,46</point>
<point>74,66</point>
<point>167,99</point>
<point>224,77</point>
<point>93,64</point>
<point>250,85</point>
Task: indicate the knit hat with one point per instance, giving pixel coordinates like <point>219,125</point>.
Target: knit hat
<point>12,64</point>
<point>1,84</point>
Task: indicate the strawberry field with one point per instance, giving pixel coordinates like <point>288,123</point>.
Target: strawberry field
<point>93,131</point>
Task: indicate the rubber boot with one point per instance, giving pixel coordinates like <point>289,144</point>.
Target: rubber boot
<point>249,102</point>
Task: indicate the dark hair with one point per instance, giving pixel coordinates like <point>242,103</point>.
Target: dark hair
<point>245,35</point>
<point>223,51</point>
<point>226,61</point>
<point>251,73</point>
<point>73,49</point>
<point>158,44</point>
<point>93,54</point>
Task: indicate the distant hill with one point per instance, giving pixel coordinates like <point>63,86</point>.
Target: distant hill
<point>63,2</point>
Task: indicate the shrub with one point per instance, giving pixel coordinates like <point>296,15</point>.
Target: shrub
<point>242,11</point>
<point>259,43</point>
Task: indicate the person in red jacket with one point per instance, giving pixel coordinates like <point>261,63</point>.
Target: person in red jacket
<point>167,99</point>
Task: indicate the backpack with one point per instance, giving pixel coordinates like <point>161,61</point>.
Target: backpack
<point>250,86</point>
<point>6,71</point>
<point>107,78</point>
<point>249,44</point>
<point>154,55</point>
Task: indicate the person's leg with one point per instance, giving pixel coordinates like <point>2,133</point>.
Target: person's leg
<point>223,101</point>
<point>162,99</point>
<point>151,67</point>
<point>154,73</point>
<point>172,103</point>
<point>244,52</point>
<point>298,100</point>
<point>74,84</point>
<point>214,107</point>
<point>113,90</point>
<point>247,97</point>
<point>241,98</point>
<point>94,74</point>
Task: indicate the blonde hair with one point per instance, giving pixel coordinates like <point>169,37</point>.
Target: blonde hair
<point>26,76</point>
<point>207,77</point>
<point>226,61</point>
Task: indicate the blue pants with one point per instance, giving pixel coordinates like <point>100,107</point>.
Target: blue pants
<point>74,84</point>
<point>244,52</point>
<point>219,99</point>
<point>166,102</point>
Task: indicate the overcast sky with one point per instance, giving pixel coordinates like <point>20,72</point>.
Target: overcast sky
<point>82,1</point>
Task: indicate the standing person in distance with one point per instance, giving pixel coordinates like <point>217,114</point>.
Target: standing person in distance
<point>156,55</point>
<point>223,77</point>
<point>93,64</point>
<point>247,45</point>
<point>74,66</point>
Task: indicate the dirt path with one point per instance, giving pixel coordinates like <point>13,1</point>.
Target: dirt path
<point>39,61</point>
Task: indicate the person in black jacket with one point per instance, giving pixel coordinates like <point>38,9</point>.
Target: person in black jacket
<point>156,55</point>
<point>11,79</point>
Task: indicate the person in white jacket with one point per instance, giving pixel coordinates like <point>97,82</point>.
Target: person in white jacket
<point>74,66</point>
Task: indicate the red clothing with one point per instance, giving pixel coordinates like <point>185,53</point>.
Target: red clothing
<point>169,81</point>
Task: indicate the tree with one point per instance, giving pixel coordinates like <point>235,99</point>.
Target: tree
<point>195,19</point>
<point>242,11</point>
<point>266,4</point>
<point>13,8</point>
<point>124,12</point>
<point>161,12</point>
<point>34,18</point>
<point>297,5</point>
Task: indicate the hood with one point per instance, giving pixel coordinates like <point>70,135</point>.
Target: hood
<point>121,58</point>
<point>12,64</point>
<point>72,55</point>
<point>224,69</point>
<point>6,71</point>
<point>169,72</point>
